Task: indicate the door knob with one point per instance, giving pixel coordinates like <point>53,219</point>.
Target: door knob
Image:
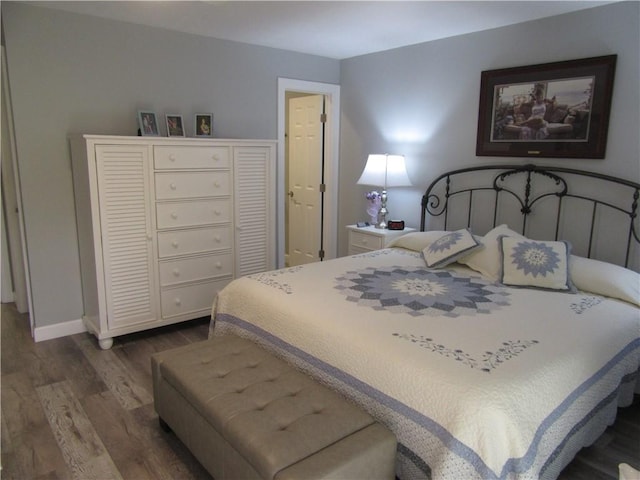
<point>290,193</point>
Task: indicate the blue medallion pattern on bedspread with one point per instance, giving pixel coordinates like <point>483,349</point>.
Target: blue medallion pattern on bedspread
<point>421,291</point>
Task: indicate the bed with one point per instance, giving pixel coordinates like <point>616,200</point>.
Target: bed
<point>490,343</point>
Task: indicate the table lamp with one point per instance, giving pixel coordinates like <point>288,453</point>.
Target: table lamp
<point>383,170</point>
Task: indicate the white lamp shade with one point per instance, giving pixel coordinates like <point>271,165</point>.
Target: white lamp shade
<point>385,171</point>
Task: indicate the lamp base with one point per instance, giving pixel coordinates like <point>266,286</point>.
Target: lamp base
<point>382,214</point>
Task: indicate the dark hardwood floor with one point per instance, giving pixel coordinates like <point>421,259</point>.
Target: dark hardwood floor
<point>73,411</point>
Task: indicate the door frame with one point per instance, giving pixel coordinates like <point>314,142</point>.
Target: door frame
<point>22,280</point>
<point>332,162</point>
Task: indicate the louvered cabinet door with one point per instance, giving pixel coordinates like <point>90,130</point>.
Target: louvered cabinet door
<point>127,236</point>
<point>254,205</point>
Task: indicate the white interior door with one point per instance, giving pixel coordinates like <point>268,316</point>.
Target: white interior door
<point>305,176</point>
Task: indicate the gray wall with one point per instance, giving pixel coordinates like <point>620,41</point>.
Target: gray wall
<point>422,101</point>
<point>71,73</point>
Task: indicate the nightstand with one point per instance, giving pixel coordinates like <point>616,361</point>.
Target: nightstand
<point>367,239</point>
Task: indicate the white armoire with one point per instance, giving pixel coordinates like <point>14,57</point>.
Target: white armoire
<point>165,223</point>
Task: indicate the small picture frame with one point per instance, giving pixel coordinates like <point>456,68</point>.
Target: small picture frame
<point>175,125</point>
<point>204,124</point>
<point>148,124</point>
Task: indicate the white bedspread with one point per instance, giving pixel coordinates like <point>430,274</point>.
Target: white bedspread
<point>476,380</point>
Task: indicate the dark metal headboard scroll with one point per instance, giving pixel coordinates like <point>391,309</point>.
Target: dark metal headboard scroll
<point>437,199</point>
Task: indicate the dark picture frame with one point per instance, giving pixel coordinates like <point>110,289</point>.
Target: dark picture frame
<point>175,125</point>
<point>204,124</point>
<point>558,109</point>
<point>148,124</point>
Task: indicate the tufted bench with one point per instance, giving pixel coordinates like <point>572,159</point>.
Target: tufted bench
<point>246,414</point>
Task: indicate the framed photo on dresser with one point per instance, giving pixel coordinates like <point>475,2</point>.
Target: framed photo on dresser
<point>175,126</point>
<point>148,124</point>
<point>204,124</point>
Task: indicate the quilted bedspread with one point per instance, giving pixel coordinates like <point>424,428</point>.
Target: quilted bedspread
<point>477,380</point>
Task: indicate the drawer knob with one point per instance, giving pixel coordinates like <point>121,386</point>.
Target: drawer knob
<point>172,157</point>
<point>364,241</point>
<point>174,244</point>
<point>215,157</point>
<point>216,184</point>
<point>219,265</point>
<point>178,302</point>
<point>217,238</point>
<point>216,212</point>
<point>174,215</point>
<point>173,186</point>
<point>176,272</point>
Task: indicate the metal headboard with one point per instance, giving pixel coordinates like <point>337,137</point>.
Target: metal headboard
<point>601,209</point>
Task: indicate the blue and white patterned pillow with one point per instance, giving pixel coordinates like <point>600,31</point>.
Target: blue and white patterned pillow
<point>448,248</point>
<point>538,264</point>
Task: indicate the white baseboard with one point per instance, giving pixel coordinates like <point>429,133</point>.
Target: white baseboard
<point>58,330</point>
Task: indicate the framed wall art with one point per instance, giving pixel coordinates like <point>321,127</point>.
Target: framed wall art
<point>556,109</point>
<point>148,124</point>
<point>175,126</point>
<point>204,124</point>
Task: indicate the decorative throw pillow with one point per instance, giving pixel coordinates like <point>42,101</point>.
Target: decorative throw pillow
<point>448,248</point>
<point>486,259</point>
<point>532,263</point>
<point>417,241</point>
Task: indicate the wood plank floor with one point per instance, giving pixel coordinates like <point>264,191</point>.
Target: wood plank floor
<point>73,411</point>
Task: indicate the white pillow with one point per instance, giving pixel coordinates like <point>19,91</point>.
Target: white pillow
<point>417,241</point>
<point>533,263</point>
<point>486,259</point>
<point>448,248</point>
<point>606,279</point>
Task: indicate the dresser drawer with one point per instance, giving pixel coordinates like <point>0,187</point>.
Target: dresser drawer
<point>190,298</point>
<point>177,157</point>
<point>173,272</point>
<point>365,241</point>
<point>176,185</point>
<point>191,213</point>
<point>195,240</point>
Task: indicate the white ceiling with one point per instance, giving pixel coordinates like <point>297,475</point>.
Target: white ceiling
<point>334,29</point>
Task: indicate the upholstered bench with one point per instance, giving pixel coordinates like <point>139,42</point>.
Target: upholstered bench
<point>246,414</point>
